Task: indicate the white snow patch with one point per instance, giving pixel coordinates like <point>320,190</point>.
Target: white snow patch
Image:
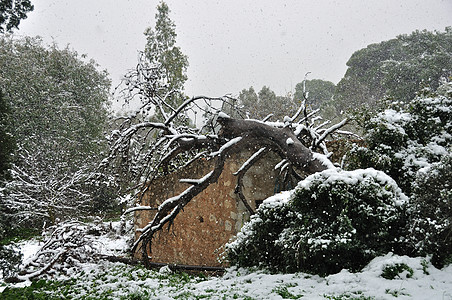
<point>227,145</point>
<point>427,281</point>
<point>289,141</point>
<point>324,160</point>
<point>29,248</point>
<point>223,115</point>
<point>354,177</point>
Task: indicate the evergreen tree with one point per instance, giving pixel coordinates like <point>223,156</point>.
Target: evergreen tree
<point>260,105</point>
<point>249,99</point>
<point>161,51</point>
<point>395,69</point>
<point>318,92</point>
<point>265,102</point>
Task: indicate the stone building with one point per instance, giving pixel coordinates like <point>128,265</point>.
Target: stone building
<point>212,218</point>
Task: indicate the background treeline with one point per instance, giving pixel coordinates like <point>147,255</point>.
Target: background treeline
<point>391,70</point>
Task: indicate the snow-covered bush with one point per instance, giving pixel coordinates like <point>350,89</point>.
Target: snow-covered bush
<point>412,143</point>
<point>405,138</point>
<point>431,212</point>
<point>256,244</point>
<point>332,220</point>
<point>10,260</point>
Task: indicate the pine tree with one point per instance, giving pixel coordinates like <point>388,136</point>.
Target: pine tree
<point>161,51</point>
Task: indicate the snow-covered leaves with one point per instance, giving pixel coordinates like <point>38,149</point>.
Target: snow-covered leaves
<point>342,218</point>
<point>411,142</point>
<point>406,138</point>
<point>431,212</point>
<point>58,113</point>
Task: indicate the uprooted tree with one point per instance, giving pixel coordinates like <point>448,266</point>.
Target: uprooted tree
<point>143,149</point>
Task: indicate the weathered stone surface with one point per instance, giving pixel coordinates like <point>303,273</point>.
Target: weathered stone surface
<point>213,217</point>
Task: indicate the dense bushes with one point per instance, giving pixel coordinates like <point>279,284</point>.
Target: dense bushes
<point>342,219</point>
<point>333,220</point>
<point>407,137</point>
<point>9,260</point>
<point>411,143</point>
<point>431,212</point>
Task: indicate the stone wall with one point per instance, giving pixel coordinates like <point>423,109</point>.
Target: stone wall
<point>212,218</point>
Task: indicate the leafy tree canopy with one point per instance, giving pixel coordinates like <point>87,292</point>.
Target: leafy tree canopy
<point>261,104</point>
<point>12,12</point>
<point>396,68</point>
<point>59,112</point>
<point>265,102</point>
<point>58,101</point>
<point>317,92</point>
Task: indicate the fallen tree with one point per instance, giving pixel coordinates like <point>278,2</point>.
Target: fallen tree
<point>158,139</point>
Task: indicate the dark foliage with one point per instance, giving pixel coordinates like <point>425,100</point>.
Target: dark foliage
<point>395,69</point>
<point>407,137</point>
<point>9,261</point>
<point>12,12</point>
<point>334,220</point>
<point>431,209</point>
<point>7,144</point>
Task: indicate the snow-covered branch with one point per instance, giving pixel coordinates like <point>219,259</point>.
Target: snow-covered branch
<point>160,138</point>
<point>241,173</point>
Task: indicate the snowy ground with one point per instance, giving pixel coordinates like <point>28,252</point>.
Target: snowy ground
<point>118,281</point>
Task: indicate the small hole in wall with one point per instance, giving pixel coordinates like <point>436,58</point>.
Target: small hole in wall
<point>201,219</point>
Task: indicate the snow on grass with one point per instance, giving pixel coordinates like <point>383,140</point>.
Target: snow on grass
<point>115,280</point>
<point>106,280</point>
<point>29,248</point>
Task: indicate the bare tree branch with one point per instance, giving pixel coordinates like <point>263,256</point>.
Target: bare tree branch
<point>241,173</point>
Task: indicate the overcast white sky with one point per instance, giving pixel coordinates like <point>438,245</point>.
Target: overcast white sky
<point>236,44</point>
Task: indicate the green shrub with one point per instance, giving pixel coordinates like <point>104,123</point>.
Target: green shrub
<point>405,138</point>
<point>431,212</point>
<point>10,260</point>
<point>255,244</point>
<point>333,220</point>
<point>395,271</point>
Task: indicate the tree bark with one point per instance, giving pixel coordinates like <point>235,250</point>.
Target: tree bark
<point>281,140</point>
